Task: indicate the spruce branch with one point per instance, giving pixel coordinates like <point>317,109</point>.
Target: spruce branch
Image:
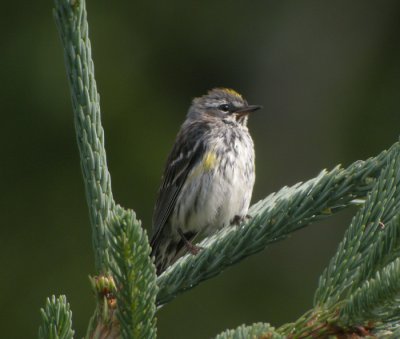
<point>273,219</point>
<point>126,286</point>
<point>56,319</point>
<point>377,300</point>
<point>134,275</point>
<point>370,239</point>
<point>258,330</point>
<point>71,19</point>
<point>359,292</point>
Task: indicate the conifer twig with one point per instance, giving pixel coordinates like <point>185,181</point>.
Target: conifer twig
<point>360,287</point>
<point>126,285</point>
<point>273,219</point>
<point>359,292</point>
<point>366,244</point>
<point>134,275</point>
<point>258,330</point>
<point>57,319</point>
<point>73,28</point>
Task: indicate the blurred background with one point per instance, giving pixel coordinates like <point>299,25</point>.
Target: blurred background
<point>327,74</point>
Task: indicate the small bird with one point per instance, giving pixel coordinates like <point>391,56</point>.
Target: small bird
<point>208,178</point>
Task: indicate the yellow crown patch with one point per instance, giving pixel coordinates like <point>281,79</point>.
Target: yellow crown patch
<point>228,91</point>
<point>232,92</point>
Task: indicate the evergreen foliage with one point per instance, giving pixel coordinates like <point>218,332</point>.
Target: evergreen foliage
<point>57,319</point>
<point>358,293</point>
<point>251,332</point>
<point>70,16</point>
<point>273,219</point>
<point>134,274</point>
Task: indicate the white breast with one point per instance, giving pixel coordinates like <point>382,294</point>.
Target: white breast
<point>212,197</point>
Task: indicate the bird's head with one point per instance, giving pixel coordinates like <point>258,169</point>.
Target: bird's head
<point>222,103</point>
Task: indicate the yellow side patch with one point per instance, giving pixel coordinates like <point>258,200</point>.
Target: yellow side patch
<point>209,161</point>
<point>207,164</point>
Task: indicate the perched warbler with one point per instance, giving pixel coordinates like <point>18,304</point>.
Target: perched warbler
<point>208,178</point>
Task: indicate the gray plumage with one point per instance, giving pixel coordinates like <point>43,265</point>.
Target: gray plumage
<point>209,175</point>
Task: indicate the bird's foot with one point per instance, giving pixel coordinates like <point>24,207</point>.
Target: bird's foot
<point>193,249</point>
<point>237,219</point>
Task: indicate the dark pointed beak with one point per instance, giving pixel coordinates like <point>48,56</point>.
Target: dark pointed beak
<point>247,109</point>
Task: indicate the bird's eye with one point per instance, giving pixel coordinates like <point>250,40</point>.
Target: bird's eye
<point>224,107</point>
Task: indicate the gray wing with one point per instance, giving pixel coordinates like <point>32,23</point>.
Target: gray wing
<point>186,153</point>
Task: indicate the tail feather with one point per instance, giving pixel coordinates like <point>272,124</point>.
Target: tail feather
<point>167,250</point>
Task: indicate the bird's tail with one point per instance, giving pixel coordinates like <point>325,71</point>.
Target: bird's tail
<point>166,251</point>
